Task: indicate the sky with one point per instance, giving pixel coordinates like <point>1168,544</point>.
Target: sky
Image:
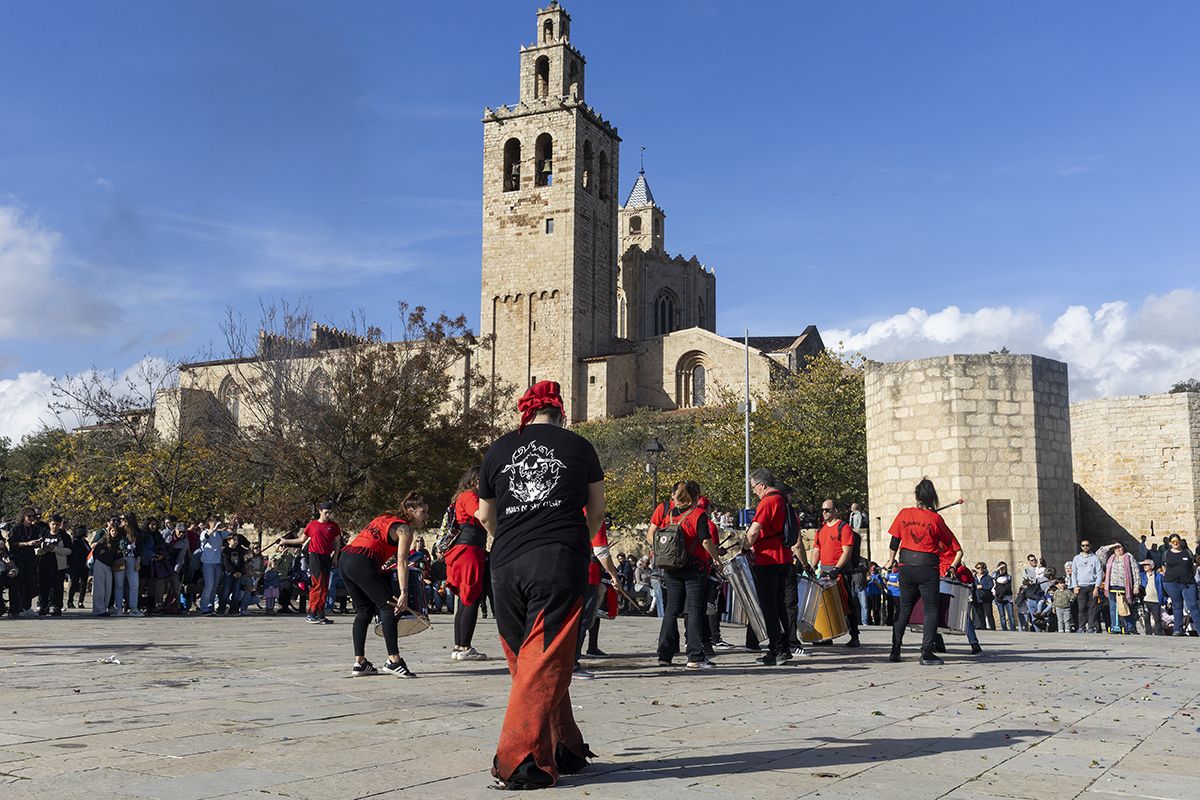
<point>913,178</point>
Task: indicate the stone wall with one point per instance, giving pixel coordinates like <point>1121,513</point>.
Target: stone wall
<point>981,427</point>
<point>1137,466</point>
<point>660,360</point>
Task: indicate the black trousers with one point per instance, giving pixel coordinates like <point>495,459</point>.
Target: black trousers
<point>918,581</point>
<point>792,601</point>
<point>12,588</point>
<point>78,587</point>
<point>27,581</point>
<point>683,590</point>
<point>50,584</point>
<point>1087,608</point>
<point>770,582</point>
<point>371,592</point>
<point>537,598</point>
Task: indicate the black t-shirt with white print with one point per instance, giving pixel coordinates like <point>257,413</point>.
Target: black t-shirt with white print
<point>539,479</point>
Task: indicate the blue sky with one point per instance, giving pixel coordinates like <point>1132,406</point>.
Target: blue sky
<point>922,177</point>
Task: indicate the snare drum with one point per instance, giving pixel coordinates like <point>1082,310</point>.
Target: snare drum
<point>808,600</point>
<point>830,619</point>
<point>954,608</point>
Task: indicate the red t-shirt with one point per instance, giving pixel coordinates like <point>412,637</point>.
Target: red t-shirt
<point>465,507</point>
<point>322,536</point>
<point>831,538</point>
<point>594,568</point>
<point>689,521</point>
<point>373,540</point>
<point>769,547</point>
<point>923,531</point>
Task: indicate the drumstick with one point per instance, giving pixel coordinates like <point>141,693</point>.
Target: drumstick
<point>957,502</point>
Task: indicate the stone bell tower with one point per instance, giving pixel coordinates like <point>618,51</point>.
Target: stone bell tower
<point>549,222</point>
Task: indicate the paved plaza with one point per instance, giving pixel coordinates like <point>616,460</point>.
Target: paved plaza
<point>264,708</point>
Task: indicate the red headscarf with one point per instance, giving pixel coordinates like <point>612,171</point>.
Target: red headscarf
<point>543,394</point>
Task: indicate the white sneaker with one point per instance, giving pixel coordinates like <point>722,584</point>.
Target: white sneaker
<point>582,675</point>
<point>470,654</point>
<point>800,652</point>
<point>723,645</point>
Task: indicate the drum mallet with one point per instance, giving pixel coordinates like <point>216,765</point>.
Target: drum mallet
<point>957,502</point>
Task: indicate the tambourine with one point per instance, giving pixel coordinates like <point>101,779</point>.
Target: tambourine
<point>408,624</point>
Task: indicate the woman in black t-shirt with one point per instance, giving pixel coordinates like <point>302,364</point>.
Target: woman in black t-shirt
<point>534,485</point>
<point>1179,582</point>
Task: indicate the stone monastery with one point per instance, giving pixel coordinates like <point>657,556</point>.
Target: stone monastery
<point>575,287</point>
<point>580,290</point>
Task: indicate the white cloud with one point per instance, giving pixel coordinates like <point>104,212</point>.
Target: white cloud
<point>23,405</point>
<point>40,297</point>
<point>25,400</point>
<point>1112,350</point>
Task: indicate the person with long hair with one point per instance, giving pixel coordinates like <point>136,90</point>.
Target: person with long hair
<point>125,578</point>
<point>1179,582</point>
<point>919,538</point>
<point>541,493</point>
<point>466,566</point>
<point>684,588</point>
<point>24,540</point>
<point>105,553</point>
<point>361,565</point>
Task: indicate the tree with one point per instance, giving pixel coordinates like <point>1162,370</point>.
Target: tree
<point>21,468</point>
<point>810,431</point>
<point>346,417</point>
<point>1190,385</point>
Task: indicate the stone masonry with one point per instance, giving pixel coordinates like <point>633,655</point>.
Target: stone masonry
<point>1137,466</point>
<point>992,429</point>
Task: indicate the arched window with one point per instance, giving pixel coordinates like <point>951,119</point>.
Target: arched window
<point>701,313</point>
<point>657,227</point>
<point>691,380</point>
<point>230,397</point>
<point>664,313</point>
<point>319,387</point>
<point>547,31</point>
<point>541,77</point>
<point>622,315</point>
<point>588,167</point>
<point>543,150</point>
<point>512,165</point>
<point>573,81</point>
<point>603,175</point>
<point>635,226</point>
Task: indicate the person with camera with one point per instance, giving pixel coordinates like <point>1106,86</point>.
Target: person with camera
<point>24,540</point>
<point>678,535</point>
<point>106,554</point>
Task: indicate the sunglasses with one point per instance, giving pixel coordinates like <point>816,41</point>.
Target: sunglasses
<point>826,510</point>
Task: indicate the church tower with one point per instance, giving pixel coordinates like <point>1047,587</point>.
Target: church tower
<point>549,222</point>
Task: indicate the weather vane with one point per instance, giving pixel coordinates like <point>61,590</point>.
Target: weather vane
<point>642,157</point>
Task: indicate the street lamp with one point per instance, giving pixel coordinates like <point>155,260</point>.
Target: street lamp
<point>653,450</point>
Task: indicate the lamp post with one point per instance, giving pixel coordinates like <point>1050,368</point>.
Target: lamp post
<point>653,450</point>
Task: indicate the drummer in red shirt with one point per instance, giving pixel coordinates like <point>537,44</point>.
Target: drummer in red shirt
<point>835,550</point>
<point>920,537</point>
<point>323,539</point>
<point>772,562</point>
<point>466,566</point>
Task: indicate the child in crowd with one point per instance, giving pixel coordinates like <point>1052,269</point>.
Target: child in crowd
<point>271,583</point>
<point>1062,598</point>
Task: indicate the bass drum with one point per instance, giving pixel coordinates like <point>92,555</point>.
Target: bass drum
<point>954,608</point>
<point>744,608</point>
<point>808,601</point>
<point>830,620</point>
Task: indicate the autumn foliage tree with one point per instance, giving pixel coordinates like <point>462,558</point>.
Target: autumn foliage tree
<point>810,431</point>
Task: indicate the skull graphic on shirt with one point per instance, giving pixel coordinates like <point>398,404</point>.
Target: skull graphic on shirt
<point>533,472</point>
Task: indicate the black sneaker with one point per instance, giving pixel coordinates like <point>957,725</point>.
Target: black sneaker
<point>783,656</point>
<point>930,660</point>
<point>976,649</point>
<point>596,653</point>
<point>894,657</point>
<point>363,668</point>
<point>853,642</point>
<point>324,621</point>
<point>767,660</point>
<point>397,668</point>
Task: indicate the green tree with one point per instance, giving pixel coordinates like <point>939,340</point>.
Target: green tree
<point>1190,385</point>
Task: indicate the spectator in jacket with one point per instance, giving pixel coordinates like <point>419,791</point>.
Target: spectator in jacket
<point>876,586</point>
<point>1121,583</point>
<point>233,562</point>
<point>891,595</point>
<point>982,597</point>
<point>1002,592</point>
<point>1152,598</point>
<point>1179,582</point>
<point>212,547</point>
<point>77,568</point>
<point>10,585</point>
<point>1062,599</point>
<point>106,552</point>
<point>1087,573</point>
<point>53,549</point>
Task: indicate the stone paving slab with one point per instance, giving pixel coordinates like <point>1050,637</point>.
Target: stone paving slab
<point>264,708</point>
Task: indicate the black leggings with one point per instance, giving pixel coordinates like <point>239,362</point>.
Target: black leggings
<point>465,618</point>
<point>368,587</point>
<point>914,581</point>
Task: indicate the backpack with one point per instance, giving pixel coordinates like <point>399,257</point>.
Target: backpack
<point>671,545</point>
<point>791,525</point>
<point>450,531</point>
